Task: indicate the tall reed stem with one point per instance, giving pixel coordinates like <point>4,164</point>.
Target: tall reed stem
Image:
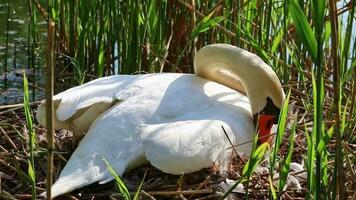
<point>318,16</point>
<point>7,44</point>
<point>338,170</point>
<point>49,104</point>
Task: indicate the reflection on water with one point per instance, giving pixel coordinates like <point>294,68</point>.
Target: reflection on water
<point>18,52</point>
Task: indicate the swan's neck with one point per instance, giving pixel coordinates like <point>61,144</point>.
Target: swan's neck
<point>240,70</point>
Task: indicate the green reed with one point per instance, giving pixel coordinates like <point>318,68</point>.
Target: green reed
<point>121,185</point>
<point>7,44</point>
<point>32,140</point>
<point>296,37</point>
<point>32,43</point>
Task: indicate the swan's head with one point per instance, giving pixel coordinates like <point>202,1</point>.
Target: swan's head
<point>235,67</point>
<point>265,119</point>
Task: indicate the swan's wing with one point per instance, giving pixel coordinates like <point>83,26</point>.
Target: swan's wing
<point>78,107</point>
<point>186,146</point>
<point>111,137</point>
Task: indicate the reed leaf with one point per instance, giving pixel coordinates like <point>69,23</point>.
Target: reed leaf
<point>277,40</point>
<point>303,28</point>
<point>282,124</point>
<point>310,163</point>
<point>286,162</point>
<point>318,10</point>
<point>206,24</point>
<point>325,140</point>
<point>271,187</point>
<point>255,158</point>
<point>136,197</point>
<point>32,139</point>
<point>345,52</point>
<point>119,183</point>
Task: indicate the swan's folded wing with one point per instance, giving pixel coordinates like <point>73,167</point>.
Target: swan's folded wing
<point>111,137</point>
<point>186,146</point>
<point>78,107</point>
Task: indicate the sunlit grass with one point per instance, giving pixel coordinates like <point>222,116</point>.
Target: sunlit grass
<point>121,185</point>
<point>32,139</point>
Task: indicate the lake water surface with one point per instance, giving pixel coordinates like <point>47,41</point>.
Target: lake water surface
<point>15,47</point>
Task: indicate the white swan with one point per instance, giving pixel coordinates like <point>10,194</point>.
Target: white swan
<point>171,120</point>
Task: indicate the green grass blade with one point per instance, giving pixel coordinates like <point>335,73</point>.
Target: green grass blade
<point>31,172</point>
<point>325,140</point>
<point>310,163</point>
<point>271,187</point>
<point>318,7</point>
<point>317,134</point>
<point>324,166</point>
<point>255,158</point>
<point>347,42</point>
<point>303,28</point>
<point>139,187</point>
<point>206,24</point>
<point>286,163</point>
<point>257,47</point>
<point>27,104</point>
<point>344,118</point>
<point>120,184</point>
<point>32,140</point>
<point>282,123</point>
<point>277,40</point>
<point>101,60</point>
<point>251,164</point>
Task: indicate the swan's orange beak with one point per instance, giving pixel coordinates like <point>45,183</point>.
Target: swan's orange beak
<point>265,124</point>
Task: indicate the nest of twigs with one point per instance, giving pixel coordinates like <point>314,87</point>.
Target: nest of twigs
<point>204,184</point>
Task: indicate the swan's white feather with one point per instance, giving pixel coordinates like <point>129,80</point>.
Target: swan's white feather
<point>99,90</point>
<point>151,120</point>
<point>78,107</point>
<point>171,120</point>
<point>179,147</point>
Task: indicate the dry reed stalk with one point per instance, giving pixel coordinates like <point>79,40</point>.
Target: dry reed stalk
<point>340,176</point>
<point>49,104</point>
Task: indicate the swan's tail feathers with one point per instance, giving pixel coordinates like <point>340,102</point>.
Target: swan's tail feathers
<point>75,181</point>
<point>76,175</point>
<point>64,185</point>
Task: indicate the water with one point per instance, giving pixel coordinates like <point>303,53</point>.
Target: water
<point>11,76</point>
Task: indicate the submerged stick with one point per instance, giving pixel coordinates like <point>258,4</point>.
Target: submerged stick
<point>49,104</point>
